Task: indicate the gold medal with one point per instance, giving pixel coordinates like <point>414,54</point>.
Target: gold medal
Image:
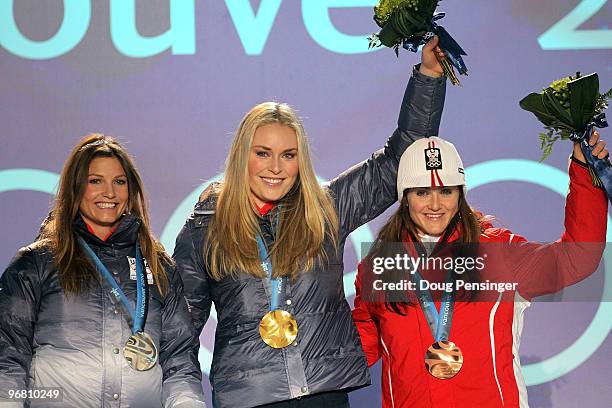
<point>140,352</point>
<point>278,328</point>
<point>443,359</point>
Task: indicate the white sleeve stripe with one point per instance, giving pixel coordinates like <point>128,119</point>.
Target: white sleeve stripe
<point>492,337</point>
<point>520,305</point>
<point>389,372</point>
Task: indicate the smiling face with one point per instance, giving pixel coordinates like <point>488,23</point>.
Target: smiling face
<point>432,208</point>
<point>273,163</point>
<point>106,195</point>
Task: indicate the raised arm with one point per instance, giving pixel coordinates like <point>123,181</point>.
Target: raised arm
<point>367,189</point>
<point>542,269</point>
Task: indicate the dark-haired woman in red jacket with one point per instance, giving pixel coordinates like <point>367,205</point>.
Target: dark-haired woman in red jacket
<point>454,349</point>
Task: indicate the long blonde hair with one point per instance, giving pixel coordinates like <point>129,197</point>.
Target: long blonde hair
<point>307,212</point>
<point>75,270</point>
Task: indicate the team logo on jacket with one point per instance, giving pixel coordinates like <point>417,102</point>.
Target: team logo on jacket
<point>132,262</point>
<point>433,159</point>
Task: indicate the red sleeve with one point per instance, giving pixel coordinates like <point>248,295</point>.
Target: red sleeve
<point>367,327</point>
<point>586,208</point>
<point>543,269</point>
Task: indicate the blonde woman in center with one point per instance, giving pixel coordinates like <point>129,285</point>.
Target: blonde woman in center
<point>266,244</point>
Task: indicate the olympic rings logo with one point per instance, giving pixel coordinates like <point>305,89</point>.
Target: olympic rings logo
<point>478,175</point>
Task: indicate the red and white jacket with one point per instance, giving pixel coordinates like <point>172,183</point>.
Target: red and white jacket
<point>488,333</point>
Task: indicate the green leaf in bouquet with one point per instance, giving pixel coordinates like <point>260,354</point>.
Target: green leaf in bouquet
<point>583,98</point>
<point>547,141</point>
<point>388,35</point>
<point>400,21</point>
<point>410,21</point>
<point>602,102</point>
<point>543,138</point>
<point>533,103</point>
<point>556,109</point>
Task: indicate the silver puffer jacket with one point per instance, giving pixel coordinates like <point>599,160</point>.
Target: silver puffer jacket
<point>76,343</point>
<point>327,355</point>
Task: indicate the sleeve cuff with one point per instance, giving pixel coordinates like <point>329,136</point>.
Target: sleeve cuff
<point>418,76</point>
<point>578,162</point>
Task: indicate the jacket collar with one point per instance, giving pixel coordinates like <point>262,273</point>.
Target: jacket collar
<point>208,203</point>
<point>454,236</point>
<point>125,235</point>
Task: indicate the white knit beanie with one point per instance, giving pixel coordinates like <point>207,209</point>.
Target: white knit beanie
<point>430,162</point>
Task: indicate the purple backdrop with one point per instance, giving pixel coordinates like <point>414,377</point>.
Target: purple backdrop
<point>176,114</point>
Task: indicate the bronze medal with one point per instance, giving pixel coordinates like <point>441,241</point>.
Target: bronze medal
<point>278,328</point>
<point>443,359</point>
<point>140,352</point>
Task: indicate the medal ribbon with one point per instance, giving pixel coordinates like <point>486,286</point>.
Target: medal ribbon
<point>439,323</point>
<point>136,318</point>
<point>266,264</point>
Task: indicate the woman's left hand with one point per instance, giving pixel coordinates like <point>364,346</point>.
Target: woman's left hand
<point>599,148</point>
<point>429,59</point>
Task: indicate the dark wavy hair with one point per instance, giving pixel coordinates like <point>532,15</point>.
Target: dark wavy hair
<point>470,222</point>
<point>57,232</point>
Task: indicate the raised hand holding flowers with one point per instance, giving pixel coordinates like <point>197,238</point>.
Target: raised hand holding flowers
<point>411,23</point>
<point>570,108</point>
